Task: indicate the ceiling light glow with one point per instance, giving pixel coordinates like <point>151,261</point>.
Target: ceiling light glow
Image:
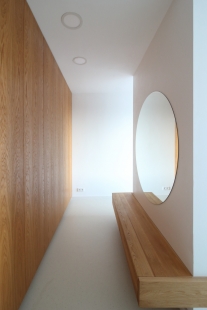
<point>79,60</point>
<point>71,20</point>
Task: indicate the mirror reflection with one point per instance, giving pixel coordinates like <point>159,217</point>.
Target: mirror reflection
<point>156,147</point>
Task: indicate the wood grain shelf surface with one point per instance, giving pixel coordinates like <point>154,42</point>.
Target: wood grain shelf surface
<point>160,278</point>
<point>178,292</point>
<point>153,198</point>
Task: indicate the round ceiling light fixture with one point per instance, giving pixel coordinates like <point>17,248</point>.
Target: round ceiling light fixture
<point>71,20</point>
<point>79,60</point>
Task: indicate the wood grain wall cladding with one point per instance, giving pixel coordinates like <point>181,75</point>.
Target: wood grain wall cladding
<point>12,284</point>
<point>35,149</point>
<point>6,242</point>
<point>48,143</point>
<point>16,151</point>
<point>33,144</point>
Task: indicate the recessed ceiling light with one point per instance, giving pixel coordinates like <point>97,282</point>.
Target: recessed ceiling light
<point>79,60</point>
<point>71,20</point>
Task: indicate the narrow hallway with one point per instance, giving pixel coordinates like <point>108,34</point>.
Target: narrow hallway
<point>84,267</point>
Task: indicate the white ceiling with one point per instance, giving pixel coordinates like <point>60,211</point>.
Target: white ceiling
<point>113,38</point>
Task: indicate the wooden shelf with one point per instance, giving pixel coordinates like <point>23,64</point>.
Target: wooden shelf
<point>160,278</point>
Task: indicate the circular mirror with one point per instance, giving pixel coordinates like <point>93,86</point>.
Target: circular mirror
<point>156,147</point>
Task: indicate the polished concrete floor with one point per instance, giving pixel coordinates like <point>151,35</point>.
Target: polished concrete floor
<point>84,267</point>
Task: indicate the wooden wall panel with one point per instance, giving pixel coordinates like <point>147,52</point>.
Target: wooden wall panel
<point>6,242</point>
<point>60,163</point>
<point>12,279</point>
<point>56,152</point>
<point>51,136</point>
<point>60,142</point>
<point>57,111</point>
<point>68,145</point>
<point>16,151</point>
<point>65,147</point>
<point>35,137</point>
<point>69,131</point>
<point>48,142</point>
<point>33,144</point>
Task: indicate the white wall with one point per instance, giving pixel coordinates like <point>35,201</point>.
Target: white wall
<point>102,143</point>
<point>200,136</point>
<point>168,67</point>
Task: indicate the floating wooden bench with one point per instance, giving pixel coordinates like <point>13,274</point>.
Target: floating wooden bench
<point>160,278</point>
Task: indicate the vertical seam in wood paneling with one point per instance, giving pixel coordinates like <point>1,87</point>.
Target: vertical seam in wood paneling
<point>23,143</point>
<point>43,93</point>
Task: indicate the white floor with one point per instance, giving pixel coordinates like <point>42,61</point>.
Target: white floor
<point>84,267</point>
